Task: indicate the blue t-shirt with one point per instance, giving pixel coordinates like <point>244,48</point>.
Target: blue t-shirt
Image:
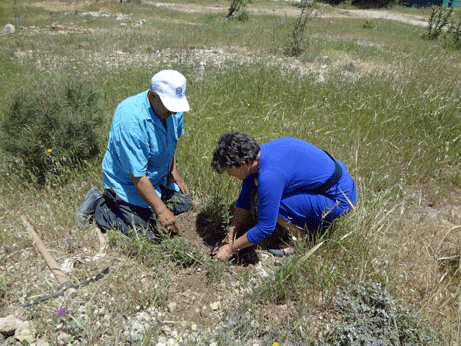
<point>289,171</point>
<point>139,144</point>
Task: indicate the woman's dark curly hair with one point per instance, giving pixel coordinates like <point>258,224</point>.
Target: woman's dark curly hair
<point>232,148</point>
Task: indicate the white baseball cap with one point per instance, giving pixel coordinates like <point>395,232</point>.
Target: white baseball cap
<point>170,85</point>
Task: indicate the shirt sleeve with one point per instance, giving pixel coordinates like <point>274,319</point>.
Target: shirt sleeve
<point>270,189</point>
<point>133,152</point>
<point>180,127</point>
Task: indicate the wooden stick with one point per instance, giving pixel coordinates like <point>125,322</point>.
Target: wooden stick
<point>57,272</point>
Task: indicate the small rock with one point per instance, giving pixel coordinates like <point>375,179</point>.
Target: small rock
<point>40,343</point>
<point>8,325</point>
<point>215,306</point>
<point>351,67</point>
<point>172,307</point>
<point>162,340</point>
<point>166,329</point>
<point>25,331</point>
<point>57,27</point>
<point>9,29</point>
<point>64,338</point>
<point>324,59</point>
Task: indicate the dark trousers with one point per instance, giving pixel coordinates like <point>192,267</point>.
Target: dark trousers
<point>114,213</point>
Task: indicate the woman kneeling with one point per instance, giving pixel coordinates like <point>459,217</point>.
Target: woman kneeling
<point>297,185</point>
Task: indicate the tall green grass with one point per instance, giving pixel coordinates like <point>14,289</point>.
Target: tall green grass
<point>395,122</point>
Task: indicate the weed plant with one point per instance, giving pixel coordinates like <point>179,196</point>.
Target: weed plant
<point>237,9</point>
<point>438,20</point>
<point>180,252</point>
<point>308,11</point>
<point>452,38</point>
<point>394,122</point>
<point>51,129</point>
<point>372,317</point>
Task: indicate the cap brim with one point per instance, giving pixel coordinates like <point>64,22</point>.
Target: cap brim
<point>175,105</point>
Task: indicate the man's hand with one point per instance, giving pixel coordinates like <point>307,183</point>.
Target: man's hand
<point>178,180</point>
<point>182,186</point>
<point>167,220</point>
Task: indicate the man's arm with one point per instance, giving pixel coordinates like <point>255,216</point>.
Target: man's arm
<point>164,216</point>
<point>177,177</point>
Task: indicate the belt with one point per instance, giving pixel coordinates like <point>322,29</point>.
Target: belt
<point>333,180</point>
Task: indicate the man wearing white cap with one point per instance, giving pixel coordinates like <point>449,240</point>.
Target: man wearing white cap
<point>142,185</point>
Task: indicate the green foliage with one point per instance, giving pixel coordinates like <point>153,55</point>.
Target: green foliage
<point>369,24</point>
<point>297,34</point>
<point>453,35</point>
<point>146,252</point>
<point>237,9</point>
<point>438,19</point>
<point>51,128</point>
<point>149,252</point>
<point>215,270</point>
<point>373,317</point>
<point>180,251</point>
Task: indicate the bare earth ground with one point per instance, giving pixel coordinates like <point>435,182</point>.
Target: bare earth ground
<point>190,298</point>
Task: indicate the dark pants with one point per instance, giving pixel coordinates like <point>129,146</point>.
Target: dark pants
<point>113,213</point>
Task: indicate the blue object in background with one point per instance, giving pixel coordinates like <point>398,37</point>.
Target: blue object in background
<point>452,3</point>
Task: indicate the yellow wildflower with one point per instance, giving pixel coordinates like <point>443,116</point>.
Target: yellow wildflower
<point>6,212</point>
<point>275,344</point>
<point>49,150</point>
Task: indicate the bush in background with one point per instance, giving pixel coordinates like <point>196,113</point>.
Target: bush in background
<point>444,17</point>
<point>308,11</point>
<point>49,129</point>
<point>438,19</point>
<point>373,317</point>
<point>453,35</point>
<point>237,10</point>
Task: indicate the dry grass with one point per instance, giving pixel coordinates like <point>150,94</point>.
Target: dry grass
<point>404,232</point>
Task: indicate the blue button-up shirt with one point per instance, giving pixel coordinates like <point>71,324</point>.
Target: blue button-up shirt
<point>139,144</point>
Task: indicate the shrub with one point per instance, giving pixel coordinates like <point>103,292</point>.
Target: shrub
<point>368,24</point>
<point>373,317</point>
<point>49,129</point>
<point>308,11</point>
<point>237,10</point>
<point>453,36</point>
<point>181,252</point>
<point>438,19</point>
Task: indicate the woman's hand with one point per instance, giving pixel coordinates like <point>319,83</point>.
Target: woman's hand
<point>222,252</point>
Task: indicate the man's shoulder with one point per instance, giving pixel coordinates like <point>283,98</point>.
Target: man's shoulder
<point>138,100</point>
<point>133,107</point>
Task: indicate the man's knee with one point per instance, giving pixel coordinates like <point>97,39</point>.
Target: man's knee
<point>180,203</point>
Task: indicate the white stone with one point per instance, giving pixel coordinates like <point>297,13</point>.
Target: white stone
<point>40,343</point>
<point>63,338</point>
<point>25,331</point>
<point>172,307</point>
<point>9,29</point>
<point>215,306</point>
<point>8,325</point>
